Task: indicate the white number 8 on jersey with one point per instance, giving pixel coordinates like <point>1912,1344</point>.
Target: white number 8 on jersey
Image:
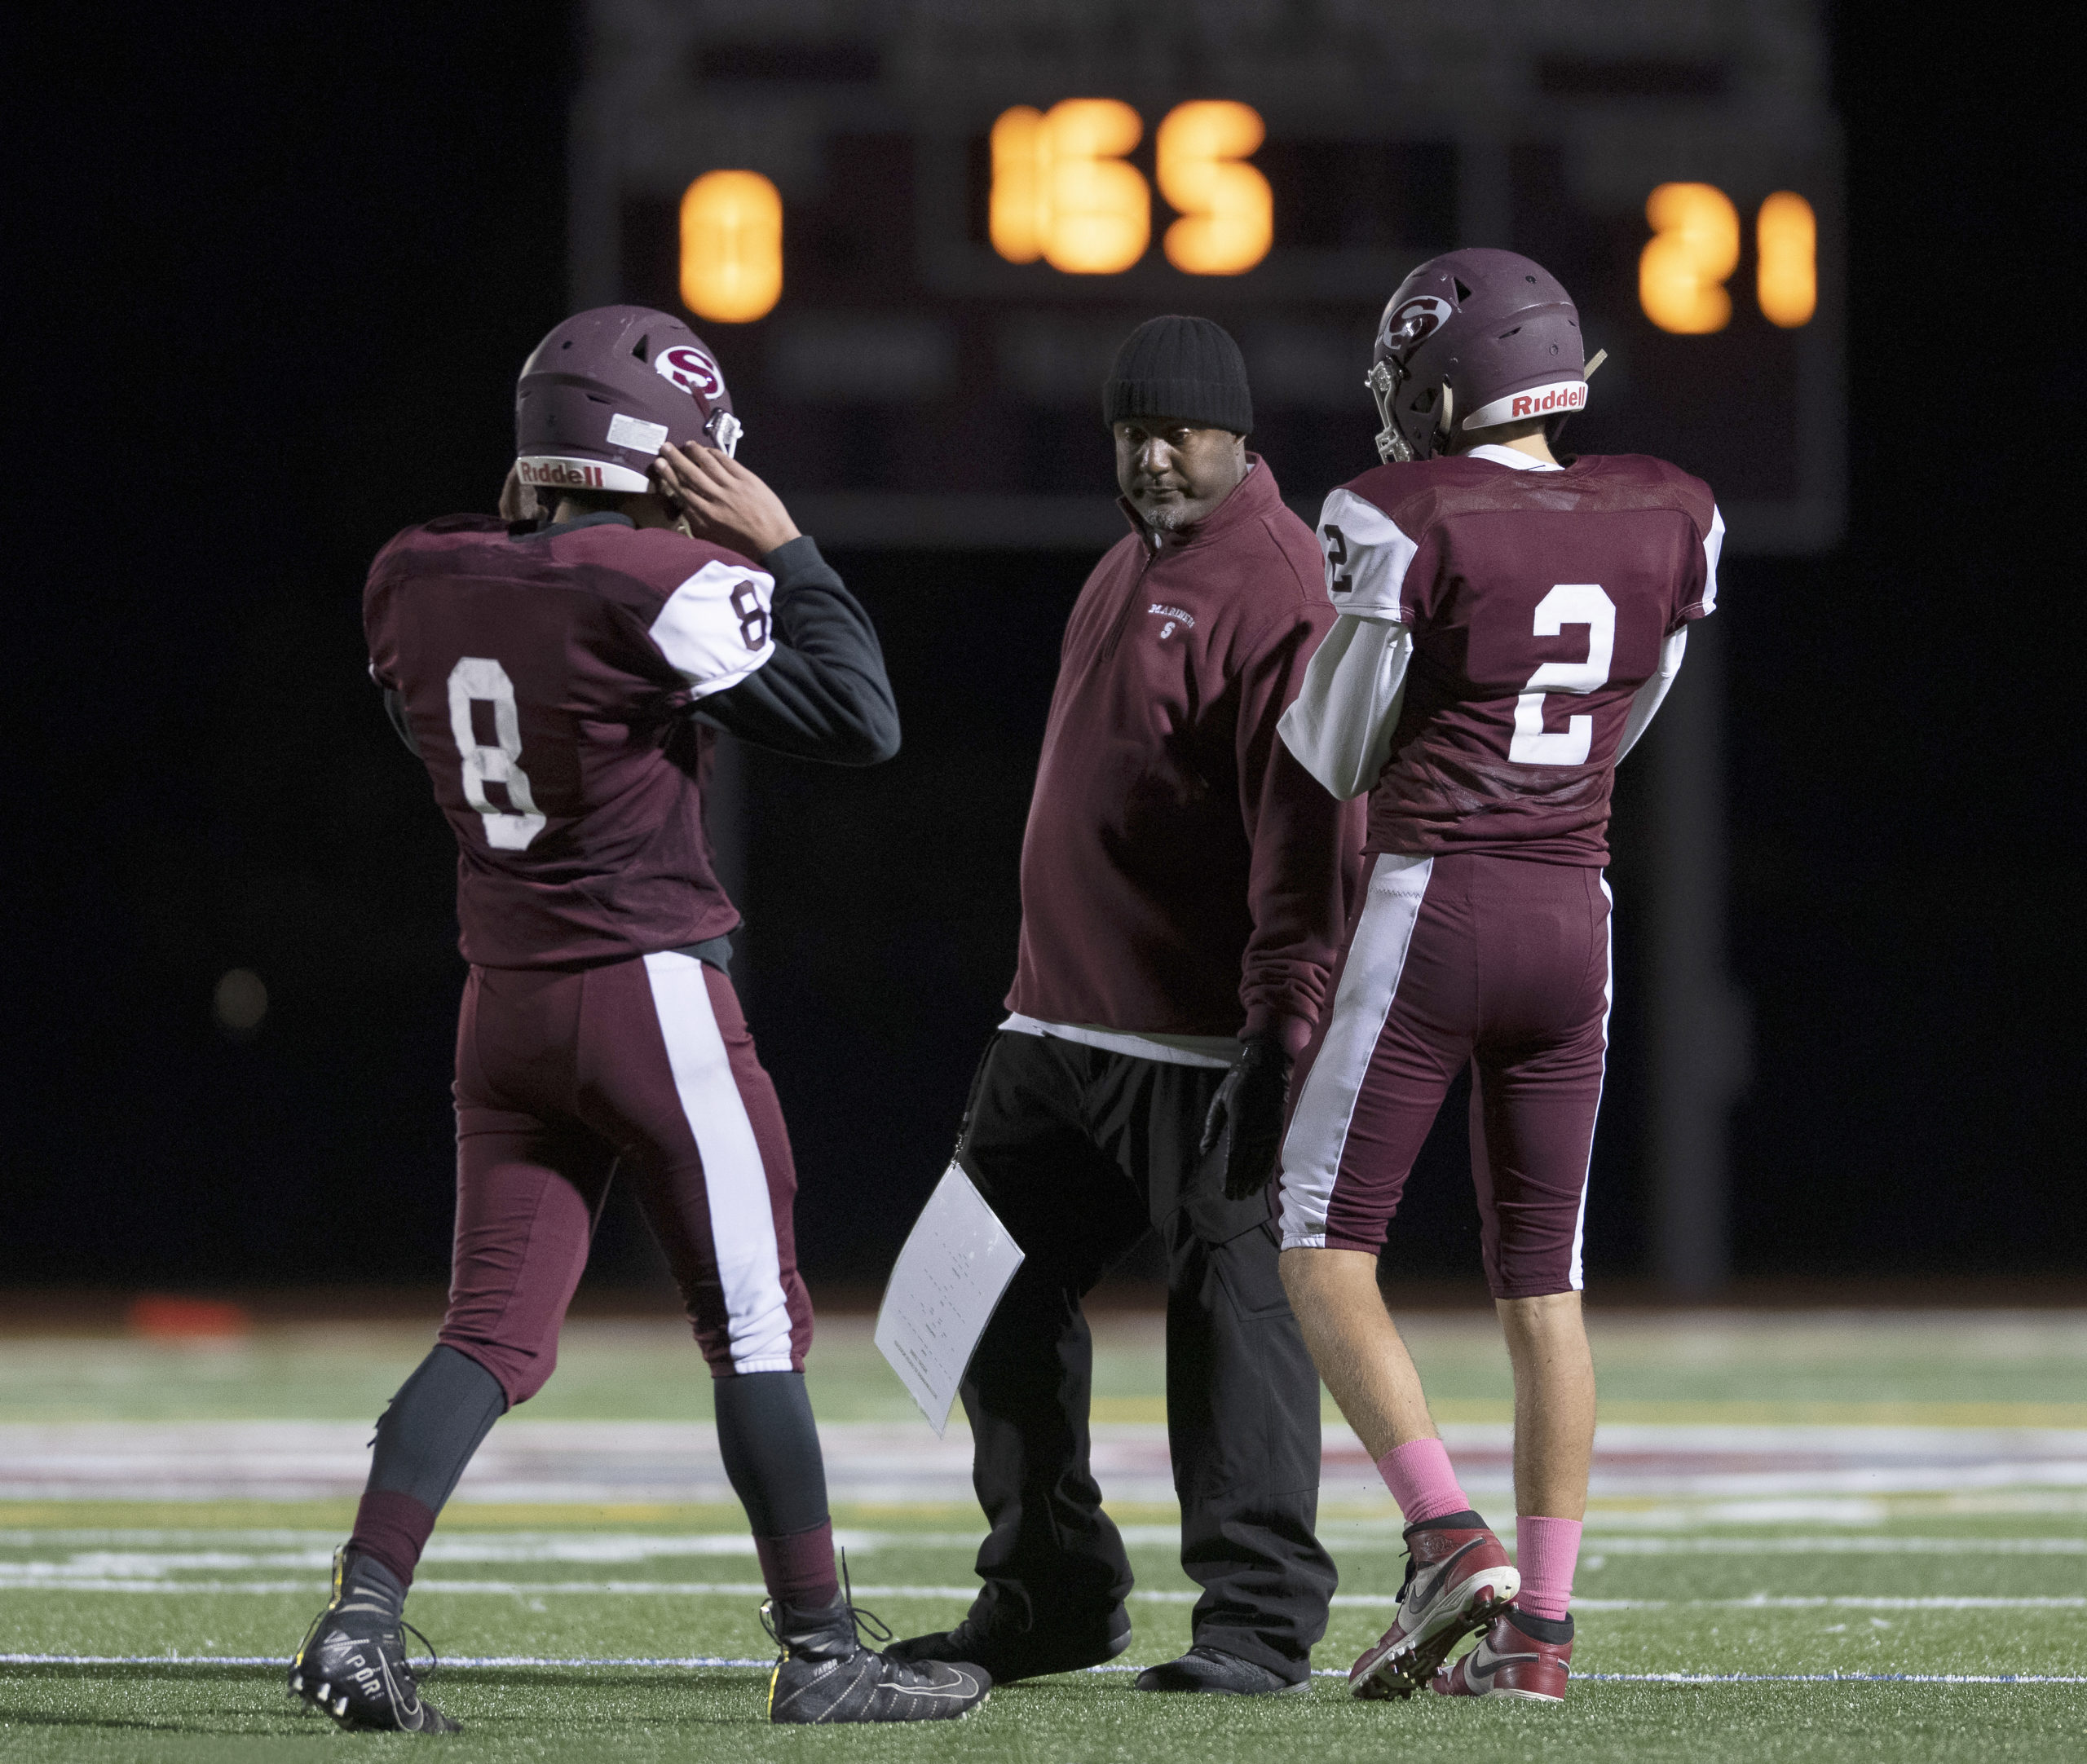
<point>480,679</point>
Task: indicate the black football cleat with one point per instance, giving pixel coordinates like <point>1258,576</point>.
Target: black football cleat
<point>351,1666</point>
<point>1007,1656</point>
<point>1214,1672</point>
<point>825,1676</point>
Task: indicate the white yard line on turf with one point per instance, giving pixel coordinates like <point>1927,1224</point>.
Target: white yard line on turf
<point>1816,1602</point>
<point>713,1662</point>
<point>754,1589</point>
<point>315,1550</point>
<point>1821,1677</point>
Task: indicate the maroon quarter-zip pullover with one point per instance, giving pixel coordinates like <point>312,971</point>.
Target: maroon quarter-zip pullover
<point>1182,874</point>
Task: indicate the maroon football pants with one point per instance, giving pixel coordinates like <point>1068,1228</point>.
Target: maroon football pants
<point>1499,962</point>
<point>644,1067</point>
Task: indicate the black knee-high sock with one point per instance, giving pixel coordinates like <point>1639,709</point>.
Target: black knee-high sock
<point>770,1443</point>
<point>424,1440</point>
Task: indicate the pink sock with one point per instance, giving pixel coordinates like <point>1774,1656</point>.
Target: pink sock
<point>1421,1480</point>
<point>1546,1550</point>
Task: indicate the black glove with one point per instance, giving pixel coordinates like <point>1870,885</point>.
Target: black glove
<point>1249,1102</point>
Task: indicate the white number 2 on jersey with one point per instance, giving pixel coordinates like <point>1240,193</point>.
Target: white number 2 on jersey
<point>1568,603</point>
<point>480,679</point>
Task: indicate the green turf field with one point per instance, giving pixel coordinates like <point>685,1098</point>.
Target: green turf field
<point>156,1606</point>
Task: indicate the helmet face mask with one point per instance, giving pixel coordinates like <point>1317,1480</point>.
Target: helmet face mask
<point>1473,339</point>
<point>600,395</point>
<point>1382,380</point>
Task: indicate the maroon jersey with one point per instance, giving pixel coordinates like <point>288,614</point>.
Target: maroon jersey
<point>1539,601</point>
<point>1181,874</point>
<point>545,679</point>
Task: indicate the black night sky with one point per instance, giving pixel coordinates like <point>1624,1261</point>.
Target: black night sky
<point>275,271</point>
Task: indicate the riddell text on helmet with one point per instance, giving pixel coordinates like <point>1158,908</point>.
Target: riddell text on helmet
<point>1539,404</point>
<point>560,472</point>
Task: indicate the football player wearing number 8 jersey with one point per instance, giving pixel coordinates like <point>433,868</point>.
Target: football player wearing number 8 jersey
<point>562,680</point>
<point>1507,625</point>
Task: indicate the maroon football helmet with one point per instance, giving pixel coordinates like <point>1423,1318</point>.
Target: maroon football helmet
<point>1471,339</point>
<point>605,391</point>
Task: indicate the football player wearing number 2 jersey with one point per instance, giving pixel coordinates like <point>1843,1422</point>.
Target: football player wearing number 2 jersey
<point>562,680</point>
<point>1507,625</point>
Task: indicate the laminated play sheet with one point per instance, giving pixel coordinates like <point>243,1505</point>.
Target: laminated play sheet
<point>947,1281</point>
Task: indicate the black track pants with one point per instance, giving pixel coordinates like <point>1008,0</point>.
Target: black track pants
<point>1081,1153</point>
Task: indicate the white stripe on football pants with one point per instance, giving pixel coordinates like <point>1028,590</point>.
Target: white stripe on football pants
<point>1318,1129</point>
<point>734,1179</point>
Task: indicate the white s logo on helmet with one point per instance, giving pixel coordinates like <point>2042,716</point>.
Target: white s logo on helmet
<point>690,369</point>
<point>1415,320</point>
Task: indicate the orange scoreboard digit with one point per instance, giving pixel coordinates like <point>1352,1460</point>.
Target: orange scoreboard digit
<point>915,252</point>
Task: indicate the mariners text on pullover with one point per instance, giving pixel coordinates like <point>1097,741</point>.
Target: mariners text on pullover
<point>1181,873</point>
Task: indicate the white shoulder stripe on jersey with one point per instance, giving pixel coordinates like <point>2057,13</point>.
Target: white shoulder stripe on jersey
<point>1367,556</point>
<point>714,628</point>
<point>1340,725</point>
<point>734,1179</point>
<point>1714,544</point>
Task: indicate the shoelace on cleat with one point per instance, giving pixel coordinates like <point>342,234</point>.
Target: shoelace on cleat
<point>862,1622</point>
<point>434,1660</point>
<point>871,1630</point>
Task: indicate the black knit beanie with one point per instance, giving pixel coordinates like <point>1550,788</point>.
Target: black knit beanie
<point>1187,368</point>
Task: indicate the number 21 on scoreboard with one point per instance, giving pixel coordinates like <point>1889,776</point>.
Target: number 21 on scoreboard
<point>1695,247</point>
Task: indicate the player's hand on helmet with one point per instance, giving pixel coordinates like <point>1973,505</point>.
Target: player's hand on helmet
<point>518,501</point>
<point>1250,1103</point>
<point>722,500</point>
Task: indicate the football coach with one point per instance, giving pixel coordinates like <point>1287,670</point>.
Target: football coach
<point>1184,889</point>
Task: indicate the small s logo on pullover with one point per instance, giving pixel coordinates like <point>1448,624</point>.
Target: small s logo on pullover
<point>1173,615</point>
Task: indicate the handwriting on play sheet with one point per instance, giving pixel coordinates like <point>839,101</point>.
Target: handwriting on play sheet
<point>948,1278</point>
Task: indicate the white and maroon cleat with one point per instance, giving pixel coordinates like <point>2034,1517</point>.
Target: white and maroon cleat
<point>1457,1577</point>
<point>1522,1656</point>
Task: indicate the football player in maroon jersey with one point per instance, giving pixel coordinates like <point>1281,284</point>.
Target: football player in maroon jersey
<point>1508,624</point>
<point>562,680</point>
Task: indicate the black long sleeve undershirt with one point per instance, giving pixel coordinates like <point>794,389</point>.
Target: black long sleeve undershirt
<point>823,695</point>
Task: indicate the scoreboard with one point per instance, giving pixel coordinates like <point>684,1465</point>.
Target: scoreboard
<point>915,234</point>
